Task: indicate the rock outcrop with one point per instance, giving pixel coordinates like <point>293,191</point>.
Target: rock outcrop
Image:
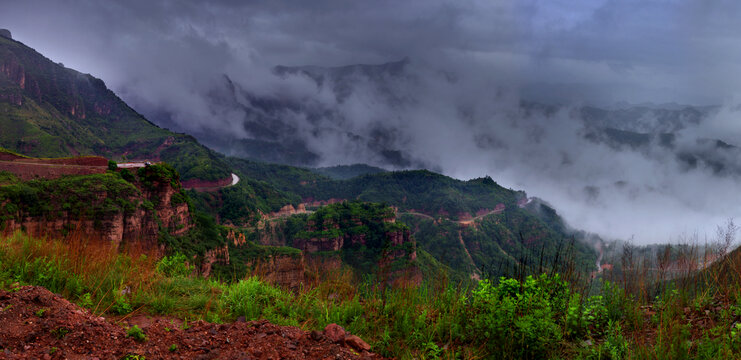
<point>396,263</point>
<point>287,271</point>
<point>288,210</point>
<point>123,214</point>
<point>6,33</point>
<point>218,255</point>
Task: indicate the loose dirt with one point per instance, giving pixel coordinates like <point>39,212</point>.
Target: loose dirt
<point>37,324</point>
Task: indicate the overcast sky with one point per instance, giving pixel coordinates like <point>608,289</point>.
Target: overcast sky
<point>599,51</point>
<point>167,55</point>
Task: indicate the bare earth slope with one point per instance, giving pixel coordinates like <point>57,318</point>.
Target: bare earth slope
<point>37,324</point>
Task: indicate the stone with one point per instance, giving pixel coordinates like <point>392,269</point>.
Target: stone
<point>357,343</point>
<point>334,332</point>
<point>316,335</point>
<point>5,33</point>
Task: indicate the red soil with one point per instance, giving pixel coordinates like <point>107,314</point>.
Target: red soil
<point>40,325</point>
<point>30,168</point>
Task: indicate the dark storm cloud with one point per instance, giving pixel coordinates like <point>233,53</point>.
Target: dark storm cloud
<point>474,62</point>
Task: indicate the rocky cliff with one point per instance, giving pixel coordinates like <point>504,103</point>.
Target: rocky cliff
<point>288,271</point>
<point>397,261</point>
<point>363,235</point>
<point>103,206</point>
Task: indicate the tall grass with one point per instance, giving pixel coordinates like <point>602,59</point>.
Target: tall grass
<point>665,305</point>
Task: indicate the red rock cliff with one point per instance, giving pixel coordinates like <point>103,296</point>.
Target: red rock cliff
<point>141,225</point>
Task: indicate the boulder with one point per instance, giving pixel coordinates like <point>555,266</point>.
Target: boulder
<point>5,33</point>
<point>334,332</point>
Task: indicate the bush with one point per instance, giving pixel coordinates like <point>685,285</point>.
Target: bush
<point>518,319</point>
<point>175,265</point>
<point>251,298</point>
<point>136,333</point>
<point>586,318</point>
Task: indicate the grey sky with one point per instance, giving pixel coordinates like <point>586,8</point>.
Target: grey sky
<point>552,50</point>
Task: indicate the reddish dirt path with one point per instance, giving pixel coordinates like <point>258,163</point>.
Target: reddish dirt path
<point>462,222</point>
<point>476,274</point>
<point>472,220</point>
<point>37,324</point>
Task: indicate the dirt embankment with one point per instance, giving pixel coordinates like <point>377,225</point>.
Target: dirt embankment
<point>40,325</point>
<point>31,168</point>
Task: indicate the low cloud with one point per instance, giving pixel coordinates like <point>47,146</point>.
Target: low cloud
<point>458,108</point>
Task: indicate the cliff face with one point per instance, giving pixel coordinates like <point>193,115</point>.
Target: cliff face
<point>363,233</point>
<point>364,236</point>
<point>396,263</point>
<point>288,271</point>
<point>219,255</point>
<point>325,241</point>
<point>99,206</point>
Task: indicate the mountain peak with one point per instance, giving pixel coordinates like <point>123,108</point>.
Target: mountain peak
<point>6,33</point>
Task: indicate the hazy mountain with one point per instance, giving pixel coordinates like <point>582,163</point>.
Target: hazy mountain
<point>49,110</point>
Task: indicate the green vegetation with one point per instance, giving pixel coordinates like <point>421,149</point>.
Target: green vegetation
<point>87,196</point>
<point>158,174</point>
<point>361,229</point>
<point>95,197</point>
<point>136,333</point>
<point>7,178</point>
<point>344,172</point>
<point>420,190</point>
<point>60,332</point>
<point>240,204</point>
<point>429,204</point>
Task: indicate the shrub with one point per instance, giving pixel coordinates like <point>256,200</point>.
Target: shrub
<point>251,298</point>
<point>121,304</point>
<point>517,319</point>
<point>174,266</point>
<point>586,317</point>
<point>136,333</point>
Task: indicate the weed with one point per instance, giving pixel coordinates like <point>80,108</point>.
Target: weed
<point>174,266</point>
<point>41,312</point>
<point>136,333</point>
<point>60,332</point>
<point>134,357</point>
<point>173,348</point>
<point>86,300</point>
